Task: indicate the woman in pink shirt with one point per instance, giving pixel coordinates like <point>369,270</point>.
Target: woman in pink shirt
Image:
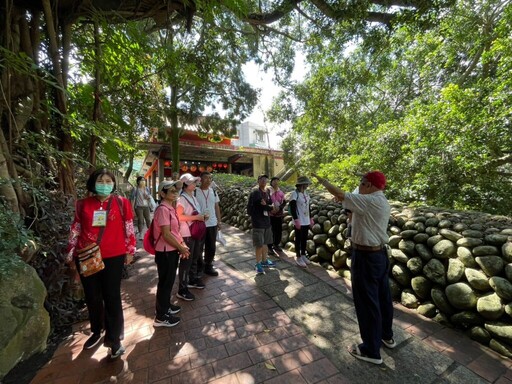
<point>169,249</point>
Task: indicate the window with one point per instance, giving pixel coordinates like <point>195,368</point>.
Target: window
<point>260,136</point>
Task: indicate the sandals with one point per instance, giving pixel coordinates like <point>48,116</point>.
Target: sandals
<point>356,352</point>
<point>389,343</point>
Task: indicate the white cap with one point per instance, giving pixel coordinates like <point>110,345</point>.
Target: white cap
<point>188,179</point>
<point>166,184</point>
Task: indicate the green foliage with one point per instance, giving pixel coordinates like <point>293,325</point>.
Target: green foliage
<point>14,236</point>
<point>226,181</point>
<point>428,104</point>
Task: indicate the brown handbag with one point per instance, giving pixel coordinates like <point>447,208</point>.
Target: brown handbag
<point>89,257</point>
<point>90,260</point>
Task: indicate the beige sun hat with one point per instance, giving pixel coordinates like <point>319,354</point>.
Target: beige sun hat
<point>303,180</point>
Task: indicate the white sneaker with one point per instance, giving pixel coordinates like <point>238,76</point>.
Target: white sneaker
<point>305,260</point>
<point>300,262</point>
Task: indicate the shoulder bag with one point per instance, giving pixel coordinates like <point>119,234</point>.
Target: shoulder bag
<point>197,227</point>
<point>89,257</point>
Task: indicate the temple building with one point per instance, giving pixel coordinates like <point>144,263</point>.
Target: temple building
<point>249,154</point>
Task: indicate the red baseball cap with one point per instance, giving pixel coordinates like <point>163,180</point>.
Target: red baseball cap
<point>377,178</point>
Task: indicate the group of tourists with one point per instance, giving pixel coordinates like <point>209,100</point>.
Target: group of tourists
<point>102,240</point>
<point>266,206</point>
<point>369,212</point>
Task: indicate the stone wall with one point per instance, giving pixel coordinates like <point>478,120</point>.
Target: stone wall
<point>452,266</point>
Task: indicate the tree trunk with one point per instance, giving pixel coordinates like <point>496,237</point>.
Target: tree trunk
<point>175,130</point>
<point>97,113</point>
<point>7,189</point>
<point>65,144</point>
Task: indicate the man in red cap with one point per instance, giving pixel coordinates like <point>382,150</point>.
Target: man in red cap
<point>370,264</point>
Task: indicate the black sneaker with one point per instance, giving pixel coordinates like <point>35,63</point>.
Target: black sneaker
<point>278,249</point>
<point>173,309</point>
<point>116,351</point>
<point>167,321</point>
<point>185,295</point>
<point>196,283</point>
<point>210,271</point>
<point>93,340</point>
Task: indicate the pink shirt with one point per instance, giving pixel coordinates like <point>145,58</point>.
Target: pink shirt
<point>277,198</point>
<point>165,214</point>
<point>189,204</point>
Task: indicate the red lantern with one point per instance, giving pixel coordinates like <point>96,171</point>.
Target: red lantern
<point>193,168</point>
<point>184,168</point>
<point>209,168</point>
<point>167,163</point>
<point>225,166</point>
<point>202,168</point>
<point>214,165</point>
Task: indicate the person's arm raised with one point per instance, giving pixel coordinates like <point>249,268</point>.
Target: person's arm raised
<point>335,191</point>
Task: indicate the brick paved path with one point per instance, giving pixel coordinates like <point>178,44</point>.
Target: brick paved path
<point>287,326</point>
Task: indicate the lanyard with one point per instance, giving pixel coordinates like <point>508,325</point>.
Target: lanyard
<point>206,196</point>
<point>305,199</point>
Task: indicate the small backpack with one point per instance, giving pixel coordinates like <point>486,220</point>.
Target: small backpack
<point>149,241</point>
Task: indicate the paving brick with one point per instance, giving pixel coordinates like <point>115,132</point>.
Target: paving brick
<point>231,364</point>
<point>221,338</point>
<point>232,378</point>
<point>257,373</point>
<point>250,329</point>
<point>312,352</point>
<point>294,342</point>
<point>488,367</point>
<point>271,335</point>
<point>240,311</point>
<point>337,379</point>
<point>169,368</point>
<point>290,361</point>
<point>230,324</point>
<point>197,375</point>
<point>503,380</point>
<point>267,304</point>
<point>318,370</point>
<point>266,352</point>
<point>148,359</point>
<point>208,355</point>
<point>294,377</point>
<point>242,345</point>
<point>188,348</point>
<point>216,317</point>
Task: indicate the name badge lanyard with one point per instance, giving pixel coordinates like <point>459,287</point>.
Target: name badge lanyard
<point>306,208</point>
<point>206,197</point>
<point>100,216</point>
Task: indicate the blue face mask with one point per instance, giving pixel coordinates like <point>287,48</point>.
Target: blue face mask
<point>104,189</point>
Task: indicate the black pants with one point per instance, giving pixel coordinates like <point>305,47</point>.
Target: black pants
<point>103,298</point>
<point>372,299</point>
<point>167,264</point>
<point>209,245</point>
<point>277,230</point>
<point>185,273</point>
<point>301,239</point>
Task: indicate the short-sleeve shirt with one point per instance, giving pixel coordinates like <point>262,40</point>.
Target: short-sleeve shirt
<point>370,218</point>
<point>165,214</point>
<point>189,204</point>
<point>303,201</point>
<point>140,197</point>
<point>207,200</point>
